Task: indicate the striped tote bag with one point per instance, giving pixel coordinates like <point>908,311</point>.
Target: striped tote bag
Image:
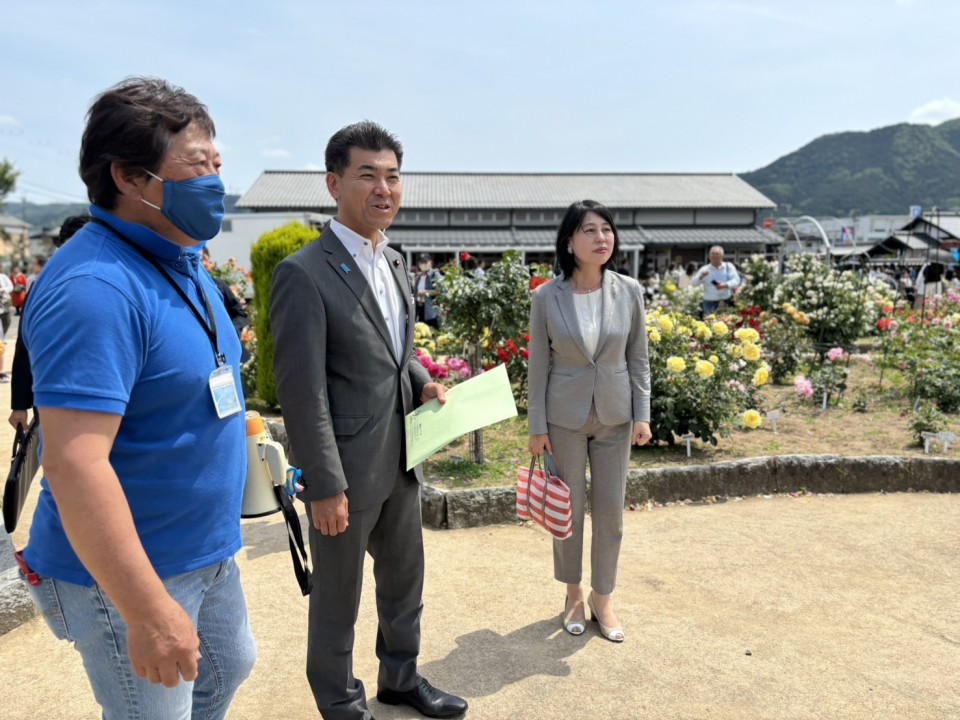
<point>544,498</point>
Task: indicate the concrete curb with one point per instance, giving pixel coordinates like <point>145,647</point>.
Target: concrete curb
<point>753,476</point>
<point>16,607</point>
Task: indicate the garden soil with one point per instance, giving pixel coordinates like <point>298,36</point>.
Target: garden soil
<point>818,606</point>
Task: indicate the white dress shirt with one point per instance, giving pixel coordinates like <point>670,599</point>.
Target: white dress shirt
<point>376,269</point>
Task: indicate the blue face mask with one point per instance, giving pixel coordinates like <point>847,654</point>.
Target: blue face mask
<point>194,206</point>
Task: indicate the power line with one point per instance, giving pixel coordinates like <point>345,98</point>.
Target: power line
<point>51,192</point>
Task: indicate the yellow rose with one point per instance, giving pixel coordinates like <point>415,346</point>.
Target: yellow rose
<point>670,287</point>
<point>703,368</point>
<point>702,331</point>
<point>751,352</point>
<point>714,359</point>
<point>684,331</point>
<point>676,364</point>
<point>747,335</point>
<point>654,334</point>
<point>752,419</point>
<point>666,324</point>
<point>761,377</point>
<point>720,329</point>
<point>735,350</point>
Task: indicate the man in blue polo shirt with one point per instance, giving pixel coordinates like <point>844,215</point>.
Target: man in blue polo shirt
<point>131,550</point>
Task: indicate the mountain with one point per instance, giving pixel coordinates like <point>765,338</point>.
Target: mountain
<point>883,171</point>
<point>50,215</point>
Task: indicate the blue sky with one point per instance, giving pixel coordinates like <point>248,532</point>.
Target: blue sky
<point>635,86</point>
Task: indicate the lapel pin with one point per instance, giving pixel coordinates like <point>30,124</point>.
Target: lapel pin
<point>343,266</point>
<point>396,263</point>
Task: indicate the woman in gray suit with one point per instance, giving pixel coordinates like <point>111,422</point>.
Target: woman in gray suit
<point>589,398</point>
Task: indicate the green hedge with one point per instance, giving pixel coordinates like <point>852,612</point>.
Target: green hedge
<point>265,255</point>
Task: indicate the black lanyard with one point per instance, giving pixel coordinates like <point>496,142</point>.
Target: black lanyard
<point>210,330</point>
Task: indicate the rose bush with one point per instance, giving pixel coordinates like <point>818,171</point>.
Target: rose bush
<point>442,368</point>
<point>488,316</point>
<point>703,375</point>
<point>925,346</point>
<point>841,306</point>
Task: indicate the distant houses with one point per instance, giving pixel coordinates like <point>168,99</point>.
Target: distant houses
<point>14,241</point>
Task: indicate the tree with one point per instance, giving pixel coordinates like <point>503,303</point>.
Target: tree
<point>485,311</point>
<point>8,179</point>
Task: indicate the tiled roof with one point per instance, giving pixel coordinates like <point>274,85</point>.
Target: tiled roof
<point>307,190</point>
<point>725,237</point>
<point>493,240</point>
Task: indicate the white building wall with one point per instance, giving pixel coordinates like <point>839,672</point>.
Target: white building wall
<point>242,230</point>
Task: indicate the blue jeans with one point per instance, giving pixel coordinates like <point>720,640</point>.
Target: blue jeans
<point>213,599</point>
<point>711,306</point>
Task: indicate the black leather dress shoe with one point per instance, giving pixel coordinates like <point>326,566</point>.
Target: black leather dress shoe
<point>426,700</point>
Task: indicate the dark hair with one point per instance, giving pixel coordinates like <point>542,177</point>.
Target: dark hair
<point>425,257</point>
<point>365,135</point>
<point>69,227</point>
<point>691,269</point>
<point>571,222</point>
<point>133,124</point>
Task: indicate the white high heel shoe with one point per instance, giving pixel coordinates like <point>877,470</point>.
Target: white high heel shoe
<point>616,634</point>
<point>574,627</point>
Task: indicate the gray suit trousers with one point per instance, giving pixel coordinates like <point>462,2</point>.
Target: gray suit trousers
<point>391,532</point>
<point>608,449</point>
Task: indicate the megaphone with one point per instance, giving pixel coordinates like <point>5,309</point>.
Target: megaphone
<point>266,469</point>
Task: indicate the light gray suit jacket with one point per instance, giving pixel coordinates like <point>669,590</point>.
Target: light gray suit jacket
<point>342,391</point>
<point>564,380</point>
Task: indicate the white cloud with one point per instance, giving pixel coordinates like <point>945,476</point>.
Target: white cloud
<point>312,166</point>
<point>936,111</point>
<point>274,153</point>
<point>8,120</point>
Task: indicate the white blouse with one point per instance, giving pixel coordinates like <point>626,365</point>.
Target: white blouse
<point>589,313</point>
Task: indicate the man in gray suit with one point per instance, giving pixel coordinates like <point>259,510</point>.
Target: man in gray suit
<point>343,317</point>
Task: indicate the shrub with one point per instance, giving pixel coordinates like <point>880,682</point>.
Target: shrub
<point>829,378</point>
<point>841,306</point>
<point>785,342</point>
<point>265,255</point>
<point>926,418</point>
<point>760,280</point>
<point>442,368</point>
<point>688,301</point>
<point>925,346</point>
<point>703,375</point>
<point>484,314</point>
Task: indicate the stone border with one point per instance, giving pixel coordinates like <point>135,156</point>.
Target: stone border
<point>456,509</point>
<point>16,607</point>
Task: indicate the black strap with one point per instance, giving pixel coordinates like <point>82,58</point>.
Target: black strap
<point>211,329</point>
<point>295,536</point>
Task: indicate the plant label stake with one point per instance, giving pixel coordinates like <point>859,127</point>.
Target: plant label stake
<point>773,416</point>
<point>825,397</point>
<point>688,437</point>
<point>946,438</point>
<point>928,437</point>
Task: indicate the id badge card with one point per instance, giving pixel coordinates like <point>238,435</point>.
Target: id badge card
<point>224,392</point>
